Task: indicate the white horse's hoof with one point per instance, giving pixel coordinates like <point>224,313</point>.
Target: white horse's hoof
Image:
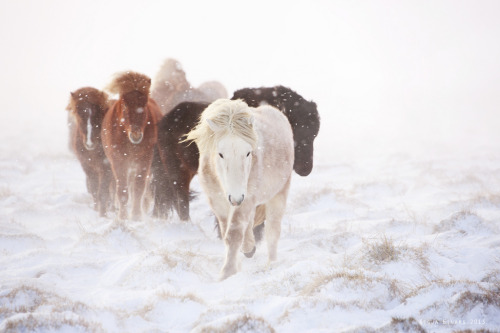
<point>227,271</point>
<point>251,253</point>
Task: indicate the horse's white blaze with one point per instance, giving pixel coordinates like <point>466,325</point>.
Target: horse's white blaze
<point>89,129</point>
<point>234,161</point>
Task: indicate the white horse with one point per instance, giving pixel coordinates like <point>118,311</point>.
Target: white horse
<point>246,160</point>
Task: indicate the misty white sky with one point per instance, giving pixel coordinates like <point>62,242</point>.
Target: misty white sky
<point>382,72</point>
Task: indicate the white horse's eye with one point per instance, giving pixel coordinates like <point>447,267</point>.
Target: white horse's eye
<point>248,154</point>
<point>221,156</point>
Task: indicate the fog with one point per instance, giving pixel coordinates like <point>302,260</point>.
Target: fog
<point>386,75</point>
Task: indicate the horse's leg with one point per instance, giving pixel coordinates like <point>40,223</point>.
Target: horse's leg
<point>182,194</point>
<point>120,171</point>
<point>92,184</point>
<point>158,171</point>
<point>141,177</point>
<point>248,247</point>
<point>104,194</point>
<point>233,237</point>
<point>275,209</point>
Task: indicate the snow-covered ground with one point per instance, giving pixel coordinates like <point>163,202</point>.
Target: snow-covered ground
<point>396,229</point>
<point>380,243</point>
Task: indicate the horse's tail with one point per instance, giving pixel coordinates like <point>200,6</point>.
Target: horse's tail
<point>161,206</point>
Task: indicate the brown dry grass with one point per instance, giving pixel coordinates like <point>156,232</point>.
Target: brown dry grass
<point>352,278</point>
<point>243,323</point>
<point>50,323</point>
<point>383,250</point>
<point>5,192</point>
<point>468,300</point>
<point>51,319</point>
<point>404,325</point>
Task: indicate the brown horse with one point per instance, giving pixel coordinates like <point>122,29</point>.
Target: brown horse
<point>87,107</point>
<point>129,137</point>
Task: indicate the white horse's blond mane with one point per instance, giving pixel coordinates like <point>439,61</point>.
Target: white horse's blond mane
<point>231,117</point>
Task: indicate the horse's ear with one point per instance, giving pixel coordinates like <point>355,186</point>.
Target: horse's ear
<point>251,120</point>
<point>69,107</point>
<point>213,126</point>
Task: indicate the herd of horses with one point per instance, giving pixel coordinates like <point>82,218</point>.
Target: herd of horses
<point>149,142</point>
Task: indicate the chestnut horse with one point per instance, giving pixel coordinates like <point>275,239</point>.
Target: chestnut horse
<point>87,107</point>
<point>129,137</point>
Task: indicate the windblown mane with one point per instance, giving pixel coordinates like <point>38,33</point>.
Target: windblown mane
<point>90,95</point>
<point>128,81</point>
<point>232,117</point>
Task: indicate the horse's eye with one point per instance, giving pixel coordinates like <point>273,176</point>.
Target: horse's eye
<point>221,156</point>
<point>248,154</point>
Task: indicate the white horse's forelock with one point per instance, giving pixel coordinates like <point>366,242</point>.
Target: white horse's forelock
<point>223,117</point>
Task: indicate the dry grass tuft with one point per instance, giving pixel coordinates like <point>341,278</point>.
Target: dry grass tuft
<point>469,300</point>
<point>5,192</point>
<point>27,299</point>
<point>453,222</point>
<point>439,283</point>
<point>404,325</point>
<point>352,278</point>
<point>242,323</point>
<point>476,331</point>
<point>184,297</point>
<point>382,251</point>
<point>50,323</point>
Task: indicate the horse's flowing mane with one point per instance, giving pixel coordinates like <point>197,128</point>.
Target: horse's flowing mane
<point>128,81</point>
<point>90,95</point>
<point>231,117</point>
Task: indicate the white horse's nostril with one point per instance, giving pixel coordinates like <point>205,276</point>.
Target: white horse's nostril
<point>236,202</point>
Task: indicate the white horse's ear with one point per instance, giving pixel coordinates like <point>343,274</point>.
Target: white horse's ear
<point>213,126</point>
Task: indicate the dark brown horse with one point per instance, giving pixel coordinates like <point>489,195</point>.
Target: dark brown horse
<point>129,137</point>
<point>87,107</point>
<point>176,162</point>
<point>302,115</point>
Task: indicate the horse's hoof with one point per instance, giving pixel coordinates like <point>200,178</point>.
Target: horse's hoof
<point>251,253</point>
<point>227,272</point>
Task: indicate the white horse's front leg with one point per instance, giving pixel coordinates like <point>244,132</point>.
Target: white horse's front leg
<point>248,247</point>
<point>233,238</point>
